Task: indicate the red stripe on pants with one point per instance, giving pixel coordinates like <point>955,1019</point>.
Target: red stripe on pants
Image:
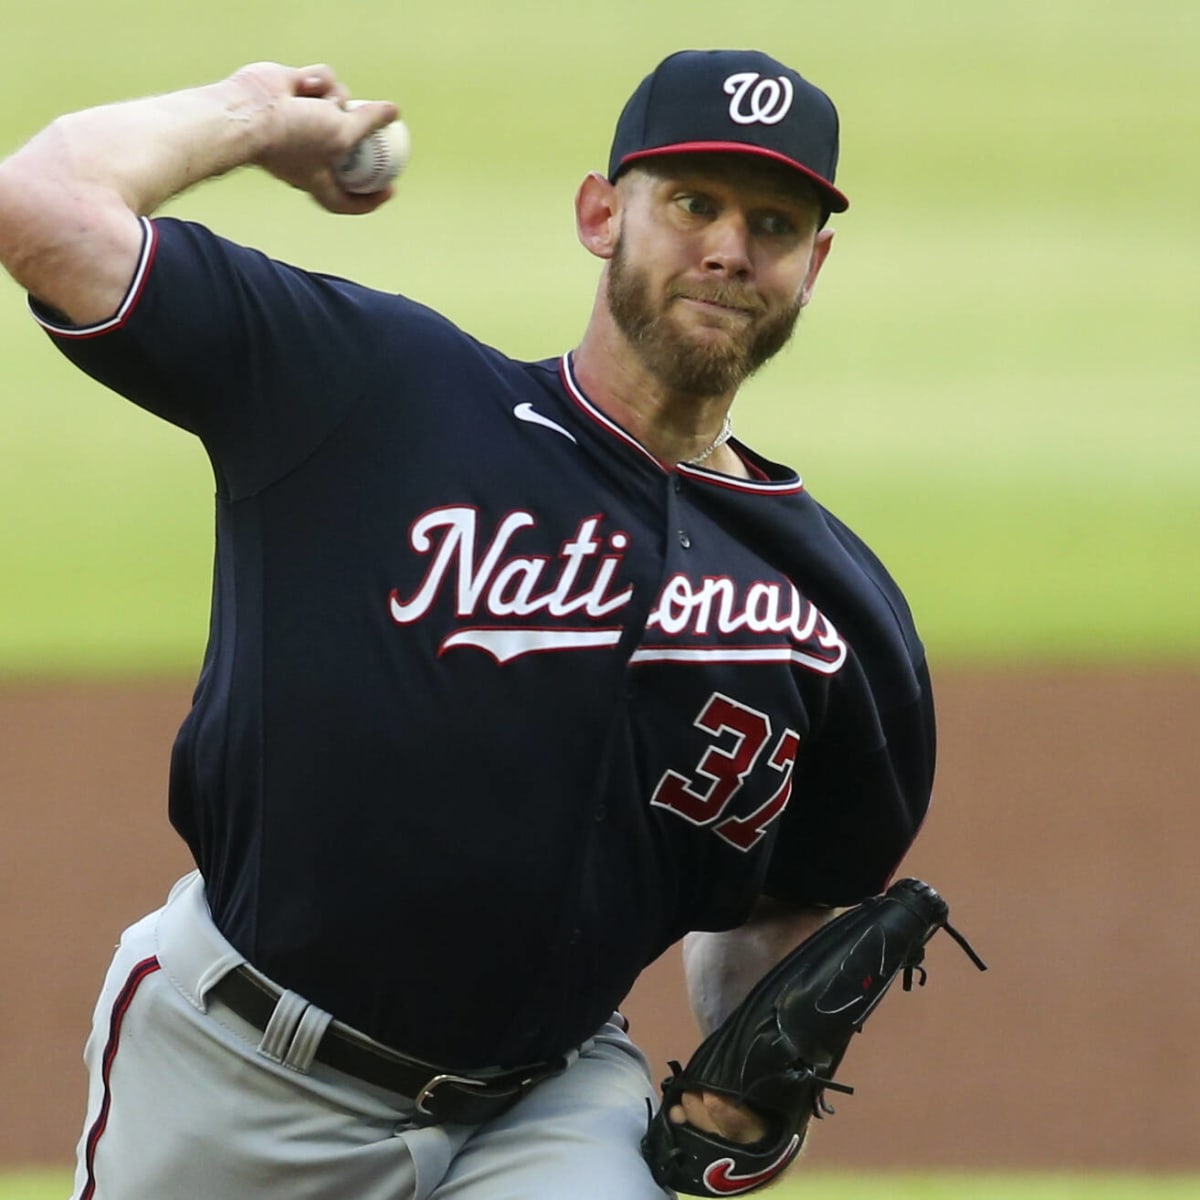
<point>143,969</point>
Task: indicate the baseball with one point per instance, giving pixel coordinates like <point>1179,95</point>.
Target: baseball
<point>375,161</point>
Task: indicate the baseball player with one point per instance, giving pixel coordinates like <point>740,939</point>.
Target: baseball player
<point>518,672</point>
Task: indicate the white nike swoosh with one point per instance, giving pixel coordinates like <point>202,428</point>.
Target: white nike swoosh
<point>526,412</point>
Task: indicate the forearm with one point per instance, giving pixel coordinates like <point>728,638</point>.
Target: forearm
<point>721,968</point>
<point>143,152</point>
<point>71,198</point>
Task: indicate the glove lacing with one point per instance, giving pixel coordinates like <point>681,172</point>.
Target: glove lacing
<point>914,960</point>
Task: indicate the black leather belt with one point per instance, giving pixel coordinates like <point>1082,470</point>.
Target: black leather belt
<point>437,1095</point>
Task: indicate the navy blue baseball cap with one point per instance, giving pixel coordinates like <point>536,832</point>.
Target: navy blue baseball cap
<point>731,101</point>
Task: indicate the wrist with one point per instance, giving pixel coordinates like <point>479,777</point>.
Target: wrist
<point>251,107</point>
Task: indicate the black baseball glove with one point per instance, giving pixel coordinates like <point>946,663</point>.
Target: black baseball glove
<point>778,1050</point>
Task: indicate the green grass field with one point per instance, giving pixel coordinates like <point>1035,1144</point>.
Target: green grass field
<point>997,383</point>
<point>823,1186</point>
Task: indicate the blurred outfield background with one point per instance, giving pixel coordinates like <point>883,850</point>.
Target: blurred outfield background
<point>997,382</point>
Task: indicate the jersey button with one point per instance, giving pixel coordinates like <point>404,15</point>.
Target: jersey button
<point>684,540</point>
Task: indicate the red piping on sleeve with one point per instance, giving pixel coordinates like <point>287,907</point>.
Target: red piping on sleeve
<point>129,301</point>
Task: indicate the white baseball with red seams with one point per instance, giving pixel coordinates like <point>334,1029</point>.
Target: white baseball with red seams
<point>372,163</point>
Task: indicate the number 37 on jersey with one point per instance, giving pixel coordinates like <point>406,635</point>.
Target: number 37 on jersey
<point>740,736</point>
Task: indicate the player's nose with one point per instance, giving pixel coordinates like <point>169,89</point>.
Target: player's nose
<point>727,245</point>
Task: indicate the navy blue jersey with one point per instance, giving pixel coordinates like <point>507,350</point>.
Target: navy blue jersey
<point>495,706</point>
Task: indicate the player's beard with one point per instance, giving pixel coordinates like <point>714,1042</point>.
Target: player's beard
<point>681,360</point>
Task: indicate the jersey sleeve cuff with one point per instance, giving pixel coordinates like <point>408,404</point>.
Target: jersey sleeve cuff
<point>57,324</point>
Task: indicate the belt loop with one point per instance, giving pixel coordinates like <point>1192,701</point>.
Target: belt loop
<point>307,1038</point>
<point>281,1028</point>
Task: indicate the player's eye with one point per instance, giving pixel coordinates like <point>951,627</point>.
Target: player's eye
<point>695,204</point>
<point>776,225</point>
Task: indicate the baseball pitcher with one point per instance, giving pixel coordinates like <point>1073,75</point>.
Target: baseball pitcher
<point>518,672</point>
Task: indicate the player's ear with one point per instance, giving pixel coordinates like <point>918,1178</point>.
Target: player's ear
<point>820,252</point>
<point>597,215</point>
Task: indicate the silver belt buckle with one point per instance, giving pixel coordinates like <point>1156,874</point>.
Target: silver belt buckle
<point>437,1081</point>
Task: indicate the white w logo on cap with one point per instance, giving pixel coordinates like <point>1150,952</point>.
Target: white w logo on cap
<point>757,100</point>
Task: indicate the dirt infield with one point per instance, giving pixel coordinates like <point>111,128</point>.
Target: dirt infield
<point>1064,833</point>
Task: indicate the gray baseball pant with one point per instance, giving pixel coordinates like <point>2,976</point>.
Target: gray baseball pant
<point>189,1102</point>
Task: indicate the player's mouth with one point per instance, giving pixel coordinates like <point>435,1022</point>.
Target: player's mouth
<point>716,306</point>
<point>726,300</point>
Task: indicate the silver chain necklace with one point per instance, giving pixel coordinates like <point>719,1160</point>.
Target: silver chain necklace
<point>715,445</point>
